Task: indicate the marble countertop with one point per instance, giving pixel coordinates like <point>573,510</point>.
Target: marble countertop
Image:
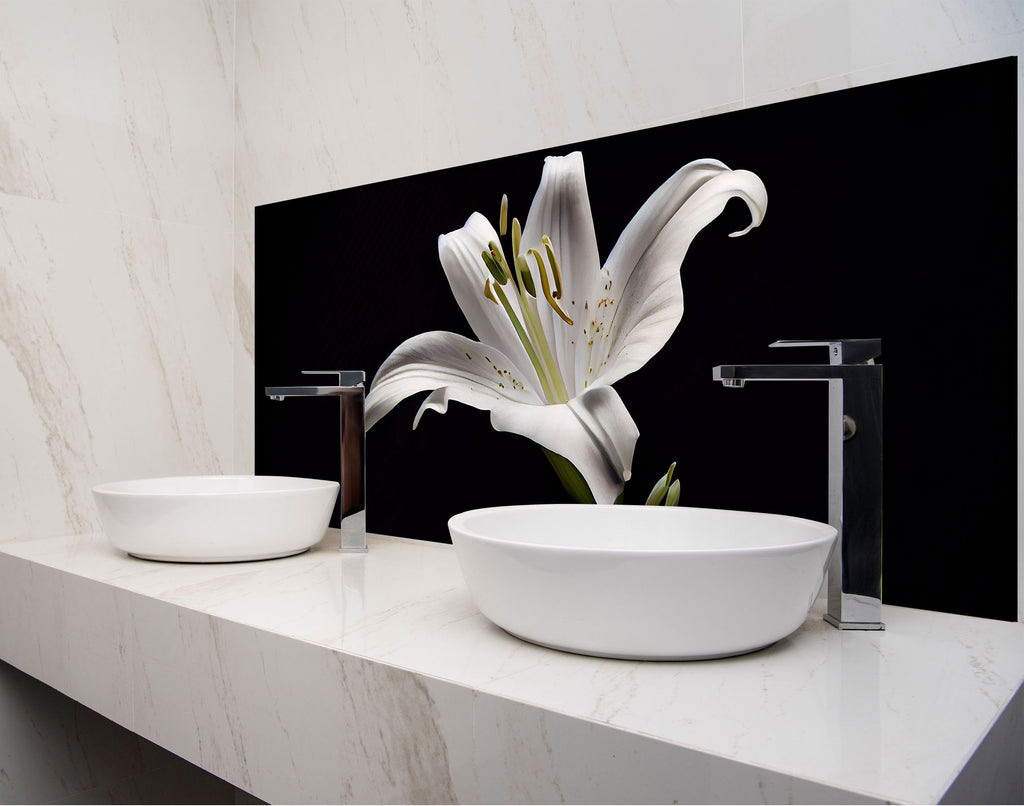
<point>333,677</point>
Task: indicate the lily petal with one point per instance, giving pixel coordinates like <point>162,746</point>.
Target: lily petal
<point>593,431</point>
<point>561,210</point>
<point>459,252</point>
<point>476,374</point>
<point>643,268</point>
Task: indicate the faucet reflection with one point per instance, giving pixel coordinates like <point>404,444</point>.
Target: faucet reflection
<point>854,468</point>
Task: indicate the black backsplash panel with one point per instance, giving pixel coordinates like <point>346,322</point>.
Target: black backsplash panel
<point>891,214</point>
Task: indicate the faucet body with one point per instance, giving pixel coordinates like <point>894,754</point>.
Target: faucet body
<point>854,468</point>
<point>351,393</point>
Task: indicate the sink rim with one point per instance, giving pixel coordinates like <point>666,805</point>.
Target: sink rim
<point>826,532</point>
<point>137,488</point>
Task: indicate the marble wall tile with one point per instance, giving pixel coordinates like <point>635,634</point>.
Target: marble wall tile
<point>116,356</point>
<point>502,78</point>
<point>910,65</point>
<point>796,42</point>
<point>243,351</point>
<point>116,311</point>
<point>337,94</point>
<point>123,106</point>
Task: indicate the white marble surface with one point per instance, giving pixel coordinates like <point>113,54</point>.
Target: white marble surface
<point>327,677</point>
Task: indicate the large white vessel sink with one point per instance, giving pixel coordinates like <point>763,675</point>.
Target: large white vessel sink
<point>209,519</point>
<point>638,582</point>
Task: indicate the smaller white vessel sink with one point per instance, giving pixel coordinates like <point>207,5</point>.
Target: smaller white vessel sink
<point>638,582</point>
<point>210,519</point>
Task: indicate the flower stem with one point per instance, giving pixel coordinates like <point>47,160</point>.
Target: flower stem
<point>571,478</point>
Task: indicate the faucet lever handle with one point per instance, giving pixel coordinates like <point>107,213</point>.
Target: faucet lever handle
<point>345,377</point>
<point>840,351</point>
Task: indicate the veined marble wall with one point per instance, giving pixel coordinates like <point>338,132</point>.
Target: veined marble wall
<point>116,314</point>
<point>334,94</point>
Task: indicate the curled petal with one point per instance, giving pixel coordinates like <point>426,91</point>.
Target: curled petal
<point>643,269</point>
<point>472,373</point>
<point>593,431</point>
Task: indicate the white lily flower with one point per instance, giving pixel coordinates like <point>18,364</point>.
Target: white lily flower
<point>554,327</point>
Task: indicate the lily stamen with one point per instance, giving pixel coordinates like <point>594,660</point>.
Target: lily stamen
<point>525,278</point>
<point>498,257</point>
<point>494,267</point>
<point>517,236</point>
<point>557,272</point>
<point>545,382</point>
<point>527,324</point>
<point>541,269</point>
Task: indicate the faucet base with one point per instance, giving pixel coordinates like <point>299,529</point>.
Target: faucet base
<point>854,625</point>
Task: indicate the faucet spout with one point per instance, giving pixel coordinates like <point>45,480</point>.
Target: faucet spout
<point>848,358</point>
<point>736,375</point>
<point>350,390</point>
<point>854,468</point>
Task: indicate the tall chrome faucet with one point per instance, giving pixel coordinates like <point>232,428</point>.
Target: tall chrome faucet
<point>351,393</point>
<point>854,468</point>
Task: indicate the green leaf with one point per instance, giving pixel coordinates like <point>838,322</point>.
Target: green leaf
<point>672,499</point>
<point>571,478</point>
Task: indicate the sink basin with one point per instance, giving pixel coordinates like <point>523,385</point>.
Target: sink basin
<point>638,582</point>
<point>210,519</point>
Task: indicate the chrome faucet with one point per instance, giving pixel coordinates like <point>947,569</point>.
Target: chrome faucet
<point>854,468</point>
<point>351,393</point>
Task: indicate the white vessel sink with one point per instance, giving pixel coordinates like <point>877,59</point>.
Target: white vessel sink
<point>646,583</point>
<point>209,519</point>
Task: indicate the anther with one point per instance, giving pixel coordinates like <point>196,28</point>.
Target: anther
<point>489,293</point>
<point>547,286</point>
<point>499,258</point>
<point>517,236</point>
<point>494,267</point>
<point>524,273</point>
<point>557,272</point>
